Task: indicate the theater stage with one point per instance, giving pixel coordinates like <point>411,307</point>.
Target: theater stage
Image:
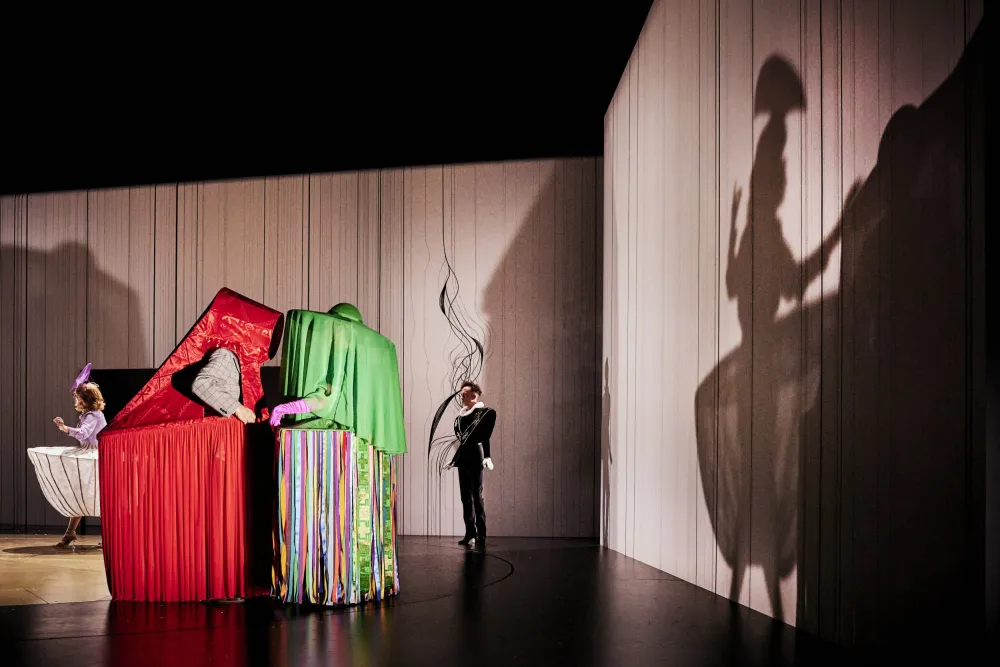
<point>518,601</point>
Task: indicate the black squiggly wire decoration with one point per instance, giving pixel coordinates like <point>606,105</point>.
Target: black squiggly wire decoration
<point>467,360</point>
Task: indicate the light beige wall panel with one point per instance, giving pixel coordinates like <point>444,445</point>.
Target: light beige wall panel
<point>685,205</point>
<point>651,288</point>
<point>120,228</point>
<point>521,240</point>
<point>731,441</point>
<point>333,240</point>
<point>823,405</point>
<point>108,230</point>
<point>392,266</point>
<point>56,325</point>
<point>369,244</point>
<point>231,239</point>
<point>165,283</point>
<point>487,302</point>
<point>286,245</point>
<point>709,227</point>
<point>142,252</point>
<point>188,306</point>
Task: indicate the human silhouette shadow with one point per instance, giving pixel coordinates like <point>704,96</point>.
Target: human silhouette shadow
<point>848,461</point>
<point>748,445</point>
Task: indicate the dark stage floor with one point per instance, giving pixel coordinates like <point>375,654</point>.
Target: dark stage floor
<point>518,602</point>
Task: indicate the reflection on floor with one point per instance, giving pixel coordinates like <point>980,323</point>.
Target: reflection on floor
<point>36,572</point>
<point>516,601</point>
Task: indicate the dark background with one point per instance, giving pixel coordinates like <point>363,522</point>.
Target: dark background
<point>175,97</point>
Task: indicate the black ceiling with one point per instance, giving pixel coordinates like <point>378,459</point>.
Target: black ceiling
<point>481,84</point>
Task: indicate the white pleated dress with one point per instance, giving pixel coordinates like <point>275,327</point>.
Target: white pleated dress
<point>69,476</point>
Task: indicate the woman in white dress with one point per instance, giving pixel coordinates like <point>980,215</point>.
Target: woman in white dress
<point>69,476</point>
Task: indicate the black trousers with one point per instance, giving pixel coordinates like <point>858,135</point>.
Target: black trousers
<point>470,486</point>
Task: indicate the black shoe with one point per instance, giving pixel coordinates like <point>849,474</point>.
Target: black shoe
<point>465,540</point>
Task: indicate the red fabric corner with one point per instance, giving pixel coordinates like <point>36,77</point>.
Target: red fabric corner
<point>173,526</point>
<point>185,498</point>
<point>233,321</point>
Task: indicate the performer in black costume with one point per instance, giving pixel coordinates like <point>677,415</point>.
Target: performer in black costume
<point>473,428</point>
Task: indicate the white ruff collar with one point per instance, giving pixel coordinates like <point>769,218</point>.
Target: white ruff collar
<point>467,411</point>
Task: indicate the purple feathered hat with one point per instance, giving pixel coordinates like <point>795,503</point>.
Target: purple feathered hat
<point>82,377</point>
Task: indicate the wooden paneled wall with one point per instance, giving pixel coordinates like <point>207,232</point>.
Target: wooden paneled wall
<point>793,311</point>
<point>117,277</point>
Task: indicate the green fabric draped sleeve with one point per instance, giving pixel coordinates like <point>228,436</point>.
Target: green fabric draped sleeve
<point>349,371</point>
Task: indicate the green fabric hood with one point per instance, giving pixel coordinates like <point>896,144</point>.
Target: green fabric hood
<point>351,368</point>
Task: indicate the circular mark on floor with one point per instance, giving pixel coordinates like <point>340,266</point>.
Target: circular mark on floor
<point>52,550</point>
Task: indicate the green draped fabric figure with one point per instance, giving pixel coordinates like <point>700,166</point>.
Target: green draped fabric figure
<point>345,377</point>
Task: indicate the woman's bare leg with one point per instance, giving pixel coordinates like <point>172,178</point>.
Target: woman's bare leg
<point>70,535</point>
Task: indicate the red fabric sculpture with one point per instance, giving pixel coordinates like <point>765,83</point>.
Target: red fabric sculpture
<point>177,487</point>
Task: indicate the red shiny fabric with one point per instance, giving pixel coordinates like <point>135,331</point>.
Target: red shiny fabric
<point>174,526</point>
<point>232,321</point>
<point>182,495</point>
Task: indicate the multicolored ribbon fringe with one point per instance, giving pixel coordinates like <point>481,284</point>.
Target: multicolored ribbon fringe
<point>332,493</point>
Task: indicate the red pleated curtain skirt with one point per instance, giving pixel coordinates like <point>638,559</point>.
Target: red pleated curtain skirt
<point>175,511</point>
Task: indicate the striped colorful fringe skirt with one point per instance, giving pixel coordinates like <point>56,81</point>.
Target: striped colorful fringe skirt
<point>335,535</point>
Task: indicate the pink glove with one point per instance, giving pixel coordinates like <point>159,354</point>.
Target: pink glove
<point>291,408</point>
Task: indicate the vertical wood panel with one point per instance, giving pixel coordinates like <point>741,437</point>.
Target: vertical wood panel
<point>333,240</point>
<point>824,404</point>
<point>462,223</point>
<point>708,279</point>
<point>14,259</point>
<point>392,272</point>
<point>505,346</point>
<point>490,234</point>
<point>286,227</point>
<point>620,384</point>
<point>732,441</point>
<point>687,210</point>
<point>547,350</point>
<point>231,239</point>
<point>632,308</point>
<point>650,285</point>
<point>443,229</point>
<point>56,325</point>
<point>120,280</point>
<point>376,239</point>
<point>586,391</point>
<point>188,306</point>
<point>107,284</point>
<point>522,183</point>
<point>830,360</point>
<point>165,240</point>
<point>369,242</point>
<point>141,304</point>
<point>416,246</point>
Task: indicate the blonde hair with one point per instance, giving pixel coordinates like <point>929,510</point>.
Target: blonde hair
<point>90,396</point>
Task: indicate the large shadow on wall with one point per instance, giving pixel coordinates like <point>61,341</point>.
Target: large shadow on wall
<point>541,307</point>
<point>52,281</point>
<point>71,263</point>
<point>833,440</point>
<point>540,370</point>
